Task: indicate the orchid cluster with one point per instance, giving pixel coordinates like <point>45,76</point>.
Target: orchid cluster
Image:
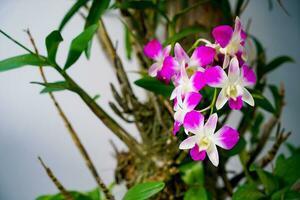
<point>221,64</point>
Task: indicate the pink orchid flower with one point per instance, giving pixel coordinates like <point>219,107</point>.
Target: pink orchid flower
<point>164,66</point>
<point>231,41</point>
<point>201,57</point>
<point>185,84</point>
<point>190,101</point>
<point>233,85</point>
<point>205,140</point>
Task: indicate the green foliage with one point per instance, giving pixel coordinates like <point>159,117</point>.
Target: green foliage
<point>96,10</point>
<point>255,128</point>
<point>288,168</point>
<point>195,194</point>
<point>144,191</point>
<point>52,42</point>
<point>54,87</point>
<point>22,60</point>
<point>263,102</point>
<point>237,148</point>
<point>248,192</point>
<point>91,195</point>
<point>128,43</point>
<point>274,64</point>
<point>73,10</point>
<point>270,182</point>
<point>154,85</point>
<point>192,173</point>
<point>79,44</point>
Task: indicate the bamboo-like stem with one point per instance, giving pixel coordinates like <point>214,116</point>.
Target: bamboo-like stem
<point>72,131</point>
<point>56,182</point>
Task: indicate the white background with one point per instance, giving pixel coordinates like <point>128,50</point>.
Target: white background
<point>30,126</point>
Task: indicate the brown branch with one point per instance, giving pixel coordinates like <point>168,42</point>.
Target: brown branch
<point>72,131</point>
<point>56,182</point>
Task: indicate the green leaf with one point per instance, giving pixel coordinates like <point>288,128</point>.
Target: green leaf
<point>248,192</point>
<point>286,194</point>
<point>78,4</point>
<point>184,33</point>
<point>192,173</point>
<point>52,42</point>
<point>96,10</point>
<point>270,182</point>
<point>22,60</point>
<point>288,169</point>
<point>263,102</point>
<point>275,63</point>
<point>156,86</point>
<point>196,194</point>
<point>139,5</point>
<point>79,44</point>
<point>255,128</point>
<point>144,191</point>
<point>97,96</point>
<point>128,44</point>
<point>54,87</point>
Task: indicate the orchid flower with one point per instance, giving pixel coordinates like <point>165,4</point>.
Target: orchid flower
<point>231,41</point>
<point>205,140</point>
<point>190,101</point>
<point>164,66</point>
<point>185,84</point>
<point>233,85</point>
<point>201,57</point>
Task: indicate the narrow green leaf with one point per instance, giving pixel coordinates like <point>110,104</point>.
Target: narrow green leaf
<point>22,60</point>
<point>275,63</point>
<point>53,87</point>
<point>184,33</point>
<point>78,4</point>
<point>144,191</point>
<point>263,102</point>
<point>128,44</point>
<point>248,192</point>
<point>52,42</point>
<point>196,193</point>
<point>79,44</point>
<point>154,85</point>
<point>97,96</point>
<point>255,128</point>
<point>139,5</point>
<point>96,10</point>
<point>75,195</point>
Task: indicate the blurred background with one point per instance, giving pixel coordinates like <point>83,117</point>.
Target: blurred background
<point>31,127</point>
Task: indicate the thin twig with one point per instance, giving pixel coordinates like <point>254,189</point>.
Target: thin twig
<point>72,131</point>
<point>56,182</point>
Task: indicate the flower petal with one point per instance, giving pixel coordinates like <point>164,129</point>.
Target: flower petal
<point>236,104</point>
<point>198,80</point>
<point>193,121</point>
<point>234,70</point>
<point>176,127</point>
<point>196,154</point>
<point>203,55</point>
<point>180,54</point>
<point>188,143</point>
<point>153,69</point>
<point>168,69</point>
<point>226,137</point>
<point>248,75</point>
<point>191,100</point>
<point>153,49</point>
<point>215,76</point>
<point>210,125</point>
<point>247,97</point>
<point>166,51</point>
<point>221,100</point>
<point>213,155</point>
<point>222,34</point>
<point>226,61</point>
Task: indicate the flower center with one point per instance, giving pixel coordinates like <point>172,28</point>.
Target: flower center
<point>204,143</point>
<point>231,91</point>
